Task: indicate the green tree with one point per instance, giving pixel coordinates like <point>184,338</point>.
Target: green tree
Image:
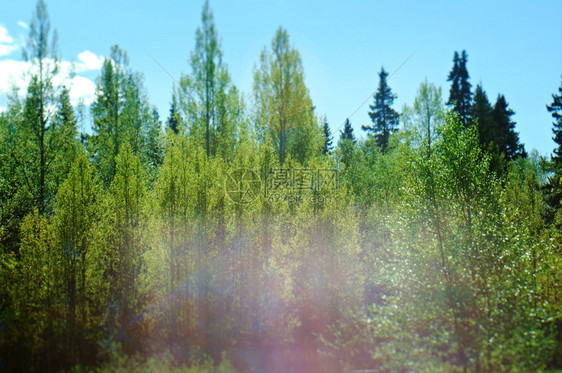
<point>385,119</point>
<point>128,220</point>
<point>41,142</point>
<point>346,144</point>
<point>460,96</point>
<point>496,130</point>
<point>426,116</point>
<point>174,122</point>
<point>106,109</point>
<point>508,139</point>
<point>553,188</point>
<point>482,115</point>
<point>14,204</point>
<point>347,132</point>
<point>35,301</point>
<point>121,115</point>
<point>153,147</point>
<point>327,149</point>
<point>76,215</point>
<point>209,98</point>
<point>284,108</point>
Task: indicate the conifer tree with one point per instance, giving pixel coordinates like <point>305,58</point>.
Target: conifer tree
<point>346,143</point>
<point>347,132</point>
<point>174,120</point>
<point>327,148</point>
<point>482,115</point>
<point>384,118</point>
<point>553,189</point>
<point>507,138</point>
<point>37,132</point>
<point>153,149</point>
<point>460,96</point>
<point>121,115</point>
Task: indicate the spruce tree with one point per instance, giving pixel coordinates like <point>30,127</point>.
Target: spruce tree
<point>346,144</point>
<point>121,115</point>
<point>508,139</point>
<point>347,133</point>
<point>174,120</point>
<point>107,133</point>
<point>555,108</point>
<point>153,152</point>
<point>460,96</point>
<point>553,189</point>
<point>327,148</point>
<point>482,117</point>
<point>383,116</point>
<point>65,137</point>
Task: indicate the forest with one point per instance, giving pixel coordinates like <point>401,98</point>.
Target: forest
<point>239,234</point>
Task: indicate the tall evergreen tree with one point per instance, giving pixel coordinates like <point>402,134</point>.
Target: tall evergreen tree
<point>65,136</point>
<point>460,96</point>
<point>347,132</point>
<point>106,112</point>
<point>327,148</point>
<point>346,144</point>
<point>153,150</point>
<point>482,116</point>
<point>121,114</point>
<point>553,189</point>
<point>496,130</point>
<point>508,139</point>
<point>174,120</point>
<point>385,119</point>
<point>40,51</point>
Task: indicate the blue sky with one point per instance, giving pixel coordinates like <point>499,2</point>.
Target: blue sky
<point>514,48</point>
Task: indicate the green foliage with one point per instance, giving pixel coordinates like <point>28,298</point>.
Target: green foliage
<point>385,119</point>
<point>284,110</point>
<point>425,117</point>
<point>122,115</point>
<point>229,243</point>
<point>174,122</point>
<point>553,189</point>
<point>460,96</point>
<point>327,149</point>
<point>209,99</point>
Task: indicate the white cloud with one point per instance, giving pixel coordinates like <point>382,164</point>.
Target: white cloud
<point>89,61</point>
<point>7,49</point>
<point>4,37</point>
<point>13,72</point>
<point>23,24</point>
<point>7,44</point>
<point>82,89</point>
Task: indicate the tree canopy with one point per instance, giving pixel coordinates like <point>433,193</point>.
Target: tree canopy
<point>235,235</point>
